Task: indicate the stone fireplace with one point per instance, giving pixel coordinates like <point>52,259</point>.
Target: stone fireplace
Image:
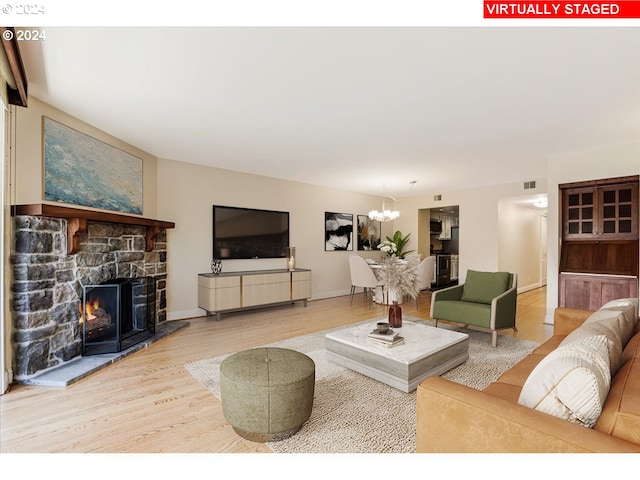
<point>58,252</point>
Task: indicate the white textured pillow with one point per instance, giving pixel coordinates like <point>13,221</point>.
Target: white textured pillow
<point>609,323</point>
<point>629,311</point>
<point>572,382</point>
<point>625,302</point>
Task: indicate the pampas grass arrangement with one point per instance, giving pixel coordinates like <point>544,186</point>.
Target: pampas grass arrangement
<point>401,277</point>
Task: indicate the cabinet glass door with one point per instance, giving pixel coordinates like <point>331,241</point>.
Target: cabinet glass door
<point>580,208</point>
<point>617,209</point>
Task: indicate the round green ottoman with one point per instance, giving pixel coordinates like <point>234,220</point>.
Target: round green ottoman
<point>267,393</point>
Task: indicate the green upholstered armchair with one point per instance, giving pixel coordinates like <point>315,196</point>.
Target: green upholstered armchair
<point>487,301</point>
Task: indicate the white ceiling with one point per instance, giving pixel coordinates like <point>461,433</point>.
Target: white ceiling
<point>364,109</point>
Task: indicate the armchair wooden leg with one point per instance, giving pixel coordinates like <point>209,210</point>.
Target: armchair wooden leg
<point>353,290</point>
<point>494,338</point>
<point>515,329</point>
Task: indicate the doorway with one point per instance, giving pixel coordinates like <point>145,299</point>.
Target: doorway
<point>522,239</point>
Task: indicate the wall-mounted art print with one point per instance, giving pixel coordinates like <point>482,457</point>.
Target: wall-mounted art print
<point>81,170</point>
<point>338,231</point>
<point>369,233</point>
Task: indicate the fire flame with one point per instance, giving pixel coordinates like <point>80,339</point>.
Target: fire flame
<point>89,308</point>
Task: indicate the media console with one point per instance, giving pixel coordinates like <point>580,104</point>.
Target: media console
<point>236,291</point>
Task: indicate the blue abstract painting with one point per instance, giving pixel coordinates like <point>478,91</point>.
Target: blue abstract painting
<point>82,170</point>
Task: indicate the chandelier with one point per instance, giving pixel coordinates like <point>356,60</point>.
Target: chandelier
<point>385,215</point>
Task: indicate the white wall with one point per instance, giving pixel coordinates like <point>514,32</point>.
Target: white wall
<point>186,195</point>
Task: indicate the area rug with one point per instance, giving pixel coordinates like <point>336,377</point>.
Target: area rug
<point>353,413</point>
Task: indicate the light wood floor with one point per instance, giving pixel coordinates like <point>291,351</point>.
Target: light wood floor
<point>148,402</point>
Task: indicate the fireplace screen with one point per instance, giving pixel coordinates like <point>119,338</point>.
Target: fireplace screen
<point>118,314</point>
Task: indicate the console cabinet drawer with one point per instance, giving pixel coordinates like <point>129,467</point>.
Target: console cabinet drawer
<point>253,295</point>
<point>210,281</point>
<point>212,300</point>
<point>266,278</point>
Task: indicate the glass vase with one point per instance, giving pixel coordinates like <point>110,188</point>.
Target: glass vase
<point>395,315</point>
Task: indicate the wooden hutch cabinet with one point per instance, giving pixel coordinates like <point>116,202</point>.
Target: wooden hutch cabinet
<point>601,212</point>
<point>599,251</point>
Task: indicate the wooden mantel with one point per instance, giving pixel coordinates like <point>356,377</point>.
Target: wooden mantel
<point>77,221</point>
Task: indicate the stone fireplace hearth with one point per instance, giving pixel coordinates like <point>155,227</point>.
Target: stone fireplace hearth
<point>57,253</point>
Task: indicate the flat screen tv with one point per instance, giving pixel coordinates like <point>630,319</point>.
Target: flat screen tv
<point>240,233</point>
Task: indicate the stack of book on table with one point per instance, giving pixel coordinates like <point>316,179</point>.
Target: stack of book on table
<point>389,339</point>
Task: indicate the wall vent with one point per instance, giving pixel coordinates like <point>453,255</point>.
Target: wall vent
<point>437,198</point>
<point>529,185</point>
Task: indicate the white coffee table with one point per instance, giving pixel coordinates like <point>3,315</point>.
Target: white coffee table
<point>427,351</point>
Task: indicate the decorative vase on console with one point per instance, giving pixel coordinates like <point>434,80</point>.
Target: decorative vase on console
<point>395,315</point>
<point>216,266</point>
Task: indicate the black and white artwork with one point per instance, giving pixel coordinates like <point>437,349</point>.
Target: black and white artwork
<point>338,231</point>
<point>369,233</point>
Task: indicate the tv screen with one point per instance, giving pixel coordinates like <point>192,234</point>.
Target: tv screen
<point>240,233</point>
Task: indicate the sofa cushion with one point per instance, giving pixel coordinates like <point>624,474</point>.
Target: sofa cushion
<point>550,345</point>
<point>571,382</point>
<point>632,350</point>
<point>518,374</point>
<point>468,313</point>
<point>482,287</point>
<point>621,412</point>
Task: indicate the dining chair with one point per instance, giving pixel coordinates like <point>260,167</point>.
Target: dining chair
<point>425,273</point>
<point>362,277</point>
<point>412,256</point>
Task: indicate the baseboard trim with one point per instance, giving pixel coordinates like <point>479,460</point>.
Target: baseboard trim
<point>532,286</point>
<point>185,314</point>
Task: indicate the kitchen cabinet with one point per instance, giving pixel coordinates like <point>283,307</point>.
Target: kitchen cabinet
<point>447,223</point>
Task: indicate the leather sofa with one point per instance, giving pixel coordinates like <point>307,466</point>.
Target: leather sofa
<point>455,418</point>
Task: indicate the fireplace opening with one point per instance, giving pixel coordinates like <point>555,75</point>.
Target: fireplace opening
<point>117,314</point>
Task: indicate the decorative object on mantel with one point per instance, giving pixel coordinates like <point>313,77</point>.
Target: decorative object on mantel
<point>291,258</point>
<point>81,170</point>
<point>77,221</point>
<point>216,266</point>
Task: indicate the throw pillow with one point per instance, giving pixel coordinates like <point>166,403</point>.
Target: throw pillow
<point>619,318</point>
<point>607,324</point>
<point>571,383</point>
<point>482,287</point>
<point>625,302</point>
<point>629,306</point>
